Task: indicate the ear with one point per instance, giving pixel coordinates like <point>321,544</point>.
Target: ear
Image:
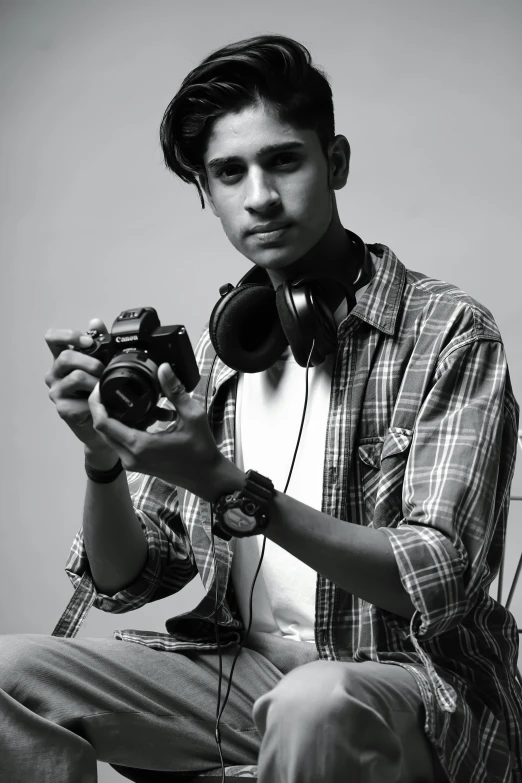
<point>339,162</point>
<point>205,187</point>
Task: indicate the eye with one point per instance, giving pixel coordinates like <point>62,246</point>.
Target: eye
<point>285,159</point>
<point>228,172</point>
<point>233,171</point>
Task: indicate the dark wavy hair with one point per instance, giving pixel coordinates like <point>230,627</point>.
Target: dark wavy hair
<point>266,68</point>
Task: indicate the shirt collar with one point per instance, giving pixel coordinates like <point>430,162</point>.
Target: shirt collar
<point>379,305</point>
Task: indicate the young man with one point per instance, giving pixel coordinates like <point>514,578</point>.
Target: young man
<point>376,652</point>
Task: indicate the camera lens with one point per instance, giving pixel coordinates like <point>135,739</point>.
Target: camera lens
<point>129,387</point>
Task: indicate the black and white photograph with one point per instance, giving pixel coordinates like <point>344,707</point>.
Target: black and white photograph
<point>261,447</point>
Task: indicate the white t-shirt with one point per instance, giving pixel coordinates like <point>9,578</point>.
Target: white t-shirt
<point>269,409</point>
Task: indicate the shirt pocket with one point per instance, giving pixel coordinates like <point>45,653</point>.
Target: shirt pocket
<point>382,464</point>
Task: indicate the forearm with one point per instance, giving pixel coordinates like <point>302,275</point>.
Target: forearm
<point>114,540</point>
<point>358,559</point>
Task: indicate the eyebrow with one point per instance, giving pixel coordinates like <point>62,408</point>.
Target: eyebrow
<point>216,163</point>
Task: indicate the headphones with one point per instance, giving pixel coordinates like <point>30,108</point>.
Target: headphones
<point>252,324</point>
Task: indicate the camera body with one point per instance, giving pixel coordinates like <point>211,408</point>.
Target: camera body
<point>132,354</point>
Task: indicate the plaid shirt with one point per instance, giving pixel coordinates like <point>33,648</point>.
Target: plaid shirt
<point>421,443</point>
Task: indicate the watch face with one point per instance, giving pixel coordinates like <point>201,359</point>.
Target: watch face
<point>238,520</point>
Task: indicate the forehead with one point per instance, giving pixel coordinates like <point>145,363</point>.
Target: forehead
<point>247,132</point>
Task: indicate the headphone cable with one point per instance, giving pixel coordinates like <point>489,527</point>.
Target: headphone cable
<point>218,712</point>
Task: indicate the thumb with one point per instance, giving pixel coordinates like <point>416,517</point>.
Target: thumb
<point>171,385</point>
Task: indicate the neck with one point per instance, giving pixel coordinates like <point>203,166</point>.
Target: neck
<point>334,245</point>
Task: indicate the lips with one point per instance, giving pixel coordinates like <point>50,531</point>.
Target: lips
<point>266,228</point>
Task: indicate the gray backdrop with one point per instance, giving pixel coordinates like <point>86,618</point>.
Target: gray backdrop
<point>428,94</point>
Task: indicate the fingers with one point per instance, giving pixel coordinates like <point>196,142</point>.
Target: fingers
<point>68,361</point>
<point>67,395</point>
<point>66,347</point>
<point>173,389</point>
<point>115,431</point>
<point>74,412</point>
<point>59,340</point>
<point>125,441</point>
<point>77,383</point>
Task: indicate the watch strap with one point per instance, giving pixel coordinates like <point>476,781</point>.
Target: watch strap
<point>103,476</point>
<point>259,486</point>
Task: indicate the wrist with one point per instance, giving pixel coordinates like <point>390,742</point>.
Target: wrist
<point>226,478</point>
<point>100,458</point>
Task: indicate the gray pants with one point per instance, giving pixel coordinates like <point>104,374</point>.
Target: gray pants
<point>64,703</point>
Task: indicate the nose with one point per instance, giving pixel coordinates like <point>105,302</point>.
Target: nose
<point>261,194</point>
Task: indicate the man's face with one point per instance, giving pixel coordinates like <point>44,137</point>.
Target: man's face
<point>265,174</point>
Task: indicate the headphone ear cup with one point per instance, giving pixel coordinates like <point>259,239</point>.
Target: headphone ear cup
<point>244,329</point>
<point>304,316</point>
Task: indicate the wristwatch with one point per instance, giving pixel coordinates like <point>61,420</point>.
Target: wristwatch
<point>246,511</point>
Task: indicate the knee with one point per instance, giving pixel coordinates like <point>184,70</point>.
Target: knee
<point>327,700</point>
<point>316,694</point>
<point>312,693</point>
<point>20,659</point>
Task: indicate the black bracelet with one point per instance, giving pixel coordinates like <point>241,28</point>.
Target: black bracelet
<point>103,476</point>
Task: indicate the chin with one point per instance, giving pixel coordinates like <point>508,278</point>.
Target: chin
<point>275,257</point>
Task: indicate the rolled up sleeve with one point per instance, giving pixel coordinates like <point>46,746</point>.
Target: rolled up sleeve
<point>456,485</point>
<point>170,564</point>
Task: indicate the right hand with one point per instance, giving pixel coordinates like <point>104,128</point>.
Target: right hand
<point>71,379</point>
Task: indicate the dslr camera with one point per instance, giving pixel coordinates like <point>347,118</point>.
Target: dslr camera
<point>132,353</point>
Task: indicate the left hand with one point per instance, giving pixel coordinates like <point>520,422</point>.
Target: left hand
<point>184,454</point>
